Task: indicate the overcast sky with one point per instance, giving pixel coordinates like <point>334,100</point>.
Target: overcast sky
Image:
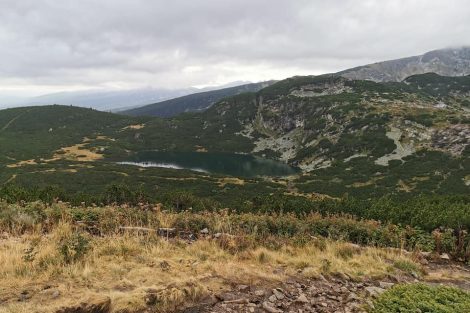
<point>54,45</point>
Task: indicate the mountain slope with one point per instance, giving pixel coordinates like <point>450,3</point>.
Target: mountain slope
<point>105,100</point>
<point>446,62</point>
<point>194,102</point>
<point>348,136</point>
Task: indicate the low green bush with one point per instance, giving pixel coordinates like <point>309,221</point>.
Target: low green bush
<point>422,298</point>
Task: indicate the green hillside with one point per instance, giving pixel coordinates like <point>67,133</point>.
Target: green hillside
<point>193,103</point>
<point>356,138</point>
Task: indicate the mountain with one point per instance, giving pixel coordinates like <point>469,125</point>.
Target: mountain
<point>354,137</point>
<point>194,102</point>
<point>446,62</point>
<point>109,100</point>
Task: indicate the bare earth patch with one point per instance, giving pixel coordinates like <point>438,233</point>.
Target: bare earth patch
<point>135,126</point>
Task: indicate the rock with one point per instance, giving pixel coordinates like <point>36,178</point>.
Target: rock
<point>226,296</point>
<point>243,287</point>
<point>352,297</point>
<point>425,255</point>
<point>445,256</point>
<point>53,293</point>
<point>93,304</point>
<point>302,299</point>
<point>217,235</point>
<point>386,285</point>
<point>238,301</point>
<point>321,277</point>
<point>343,276</point>
<point>278,293</point>
<point>272,298</point>
<point>268,308</point>
<point>374,291</point>
<point>167,232</point>
<point>204,231</point>
<point>260,293</point>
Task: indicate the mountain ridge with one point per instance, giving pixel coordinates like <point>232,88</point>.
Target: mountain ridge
<point>445,62</point>
<point>194,102</point>
<point>348,136</point>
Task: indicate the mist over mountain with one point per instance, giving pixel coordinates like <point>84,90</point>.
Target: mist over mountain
<point>196,102</point>
<point>109,100</point>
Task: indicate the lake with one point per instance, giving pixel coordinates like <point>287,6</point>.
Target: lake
<point>240,165</point>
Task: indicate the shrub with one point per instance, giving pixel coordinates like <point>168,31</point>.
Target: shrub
<point>422,298</point>
<point>73,248</point>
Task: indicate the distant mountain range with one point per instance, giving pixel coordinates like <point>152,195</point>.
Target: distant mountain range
<point>167,103</point>
<point>109,100</point>
<point>445,62</point>
<point>194,102</point>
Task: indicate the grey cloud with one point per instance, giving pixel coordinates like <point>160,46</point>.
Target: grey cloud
<point>180,43</point>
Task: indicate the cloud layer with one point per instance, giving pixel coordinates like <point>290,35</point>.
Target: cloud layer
<point>50,45</point>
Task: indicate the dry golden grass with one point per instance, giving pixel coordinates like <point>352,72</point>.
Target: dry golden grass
<point>200,149</point>
<point>22,163</point>
<point>126,267</point>
<point>231,180</point>
<point>77,153</point>
<point>136,126</point>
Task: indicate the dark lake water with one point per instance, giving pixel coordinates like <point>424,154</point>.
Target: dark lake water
<point>218,163</point>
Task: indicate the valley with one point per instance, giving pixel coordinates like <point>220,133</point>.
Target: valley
<point>326,193</point>
<point>234,156</point>
<point>359,138</point>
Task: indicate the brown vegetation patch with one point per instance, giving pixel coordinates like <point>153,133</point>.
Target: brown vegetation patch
<point>77,153</point>
<point>135,126</point>
<point>231,180</point>
<point>22,163</point>
<point>200,149</point>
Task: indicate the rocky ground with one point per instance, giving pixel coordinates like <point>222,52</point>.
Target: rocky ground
<point>168,277</point>
<point>334,294</point>
<point>298,295</point>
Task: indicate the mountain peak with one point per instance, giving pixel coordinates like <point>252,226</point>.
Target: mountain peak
<point>445,62</point>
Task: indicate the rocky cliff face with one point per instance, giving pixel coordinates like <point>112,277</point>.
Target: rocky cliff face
<point>446,62</point>
<point>354,134</point>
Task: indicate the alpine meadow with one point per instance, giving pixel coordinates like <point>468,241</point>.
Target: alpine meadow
<point>200,158</point>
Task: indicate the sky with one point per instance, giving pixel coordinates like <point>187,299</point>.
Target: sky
<point>50,45</point>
